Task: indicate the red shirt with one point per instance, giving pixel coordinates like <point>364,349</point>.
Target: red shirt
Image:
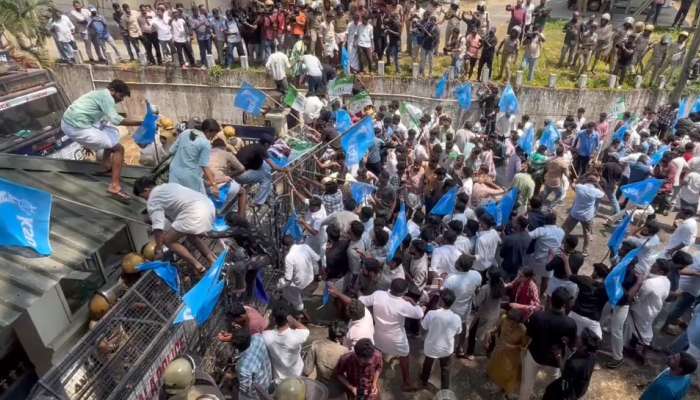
<point>360,376</point>
<point>517,15</point>
<point>268,28</point>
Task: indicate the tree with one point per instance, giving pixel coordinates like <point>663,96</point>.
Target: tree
<point>25,21</point>
<point>687,64</point>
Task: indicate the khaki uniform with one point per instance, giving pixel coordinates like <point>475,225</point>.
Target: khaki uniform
<point>603,44</point>
<point>584,51</point>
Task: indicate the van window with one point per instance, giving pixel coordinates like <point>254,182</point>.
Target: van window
<point>21,119</point>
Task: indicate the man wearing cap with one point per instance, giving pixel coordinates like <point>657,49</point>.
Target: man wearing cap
<point>620,37</point>
<point>641,46</point>
<point>510,47</point>
<point>584,51</point>
<point>660,53</point>
<point>676,53</point>
<point>603,44</point>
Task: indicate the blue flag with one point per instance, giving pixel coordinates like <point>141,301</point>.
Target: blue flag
<point>343,121</point>
<point>613,282</point>
<point>361,191</point>
<point>280,161</point>
<point>693,331</point>
<point>618,235</point>
<point>550,137</point>
<point>225,195</point>
<point>656,157</point>
<point>357,140</point>
<point>398,233</point>
<point>146,133</point>
<point>25,216</point>
<point>250,99</point>
<point>220,224</point>
<point>292,227</point>
<point>199,302</point>
<point>463,94</point>
<point>345,60</point>
<point>620,132</point>
<point>502,210</point>
<point>696,105</point>
<point>642,193</point>
<point>508,102</point>
<point>446,204</point>
<point>441,88</point>
<point>166,271</point>
<point>260,292</point>
<point>326,294</point>
<point>527,141</point>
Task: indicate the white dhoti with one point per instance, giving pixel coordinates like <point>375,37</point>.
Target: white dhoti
<point>95,138</point>
<point>196,219</point>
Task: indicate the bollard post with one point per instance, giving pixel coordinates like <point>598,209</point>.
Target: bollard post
<point>415,70</point>
<point>518,78</point>
<point>612,81</point>
<point>111,58</point>
<point>380,67</point>
<point>552,81</point>
<point>244,62</point>
<point>582,81</point>
<point>210,60</point>
<point>142,59</point>
<point>662,82</point>
<point>451,73</point>
<point>485,74</point>
<point>638,81</point>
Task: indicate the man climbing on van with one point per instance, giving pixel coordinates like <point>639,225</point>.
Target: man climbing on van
<point>91,121</point>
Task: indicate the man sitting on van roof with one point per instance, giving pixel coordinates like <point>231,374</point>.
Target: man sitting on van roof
<point>90,121</point>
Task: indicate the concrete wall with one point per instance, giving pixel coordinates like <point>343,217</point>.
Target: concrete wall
<point>183,94</point>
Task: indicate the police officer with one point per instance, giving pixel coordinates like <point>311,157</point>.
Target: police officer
<point>641,47</point>
<point>299,389</point>
<point>182,381</point>
<point>584,51</point>
<point>572,30</point>
<point>604,43</point>
<point>659,56</point>
<point>620,37</point>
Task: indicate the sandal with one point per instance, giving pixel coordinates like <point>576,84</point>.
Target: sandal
<point>120,196</point>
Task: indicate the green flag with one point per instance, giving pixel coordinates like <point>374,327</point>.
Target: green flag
<point>341,86</point>
<point>618,108</point>
<point>359,101</point>
<point>410,115</point>
<point>294,99</point>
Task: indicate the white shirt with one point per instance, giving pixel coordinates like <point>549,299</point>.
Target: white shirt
<point>505,124</point>
<point>485,250</point>
<point>464,285</point>
<point>312,65</point>
<point>386,275</point>
<point>467,186</point>
<point>685,234</point>
<point>80,16</point>
<point>648,304</point>
<point>390,313</point>
<point>647,254</point>
<point>277,65</point>
<point>547,238</point>
<point>442,326</point>
<point>444,258</point>
<point>679,163</point>
<point>365,35</point>
<point>163,29</point>
<point>413,229</point>
<point>690,191</point>
<point>312,108</point>
<point>299,266</point>
<point>285,351</point>
<point>314,219</point>
<point>691,284</point>
<point>363,328</point>
<point>463,244</point>
<point>63,29</point>
<point>189,211</point>
<point>179,30</point>
<point>555,283</point>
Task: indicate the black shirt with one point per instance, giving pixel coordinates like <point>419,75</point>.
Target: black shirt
<point>591,297</point>
<point>574,379</point>
<point>513,251</point>
<point>547,329</point>
<point>252,155</point>
<point>337,259</point>
<point>612,172</point>
<point>535,219</point>
<point>394,38</point>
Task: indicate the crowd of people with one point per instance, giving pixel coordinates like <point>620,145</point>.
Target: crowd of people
<point>368,33</point>
<point>520,290</point>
